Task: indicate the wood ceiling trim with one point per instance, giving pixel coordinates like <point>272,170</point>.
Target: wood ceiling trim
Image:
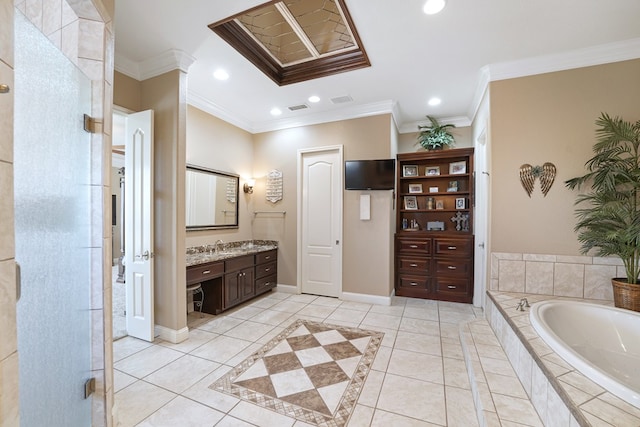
<point>231,32</point>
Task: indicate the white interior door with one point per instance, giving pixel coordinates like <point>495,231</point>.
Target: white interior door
<point>139,224</point>
<point>320,221</point>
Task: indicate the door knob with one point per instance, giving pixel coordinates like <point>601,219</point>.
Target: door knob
<point>4,88</point>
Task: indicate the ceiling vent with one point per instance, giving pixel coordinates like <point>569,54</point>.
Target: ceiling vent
<point>341,99</point>
<point>298,107</point>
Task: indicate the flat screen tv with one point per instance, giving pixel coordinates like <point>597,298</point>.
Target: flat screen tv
<point>370,174</point>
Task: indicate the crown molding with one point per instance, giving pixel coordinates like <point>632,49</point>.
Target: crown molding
<point>346,113</point>
<point>595,55</point>
<point>359,111</point>
<point>167,61</point>
<point>126,66</point>
<point>214,109</point>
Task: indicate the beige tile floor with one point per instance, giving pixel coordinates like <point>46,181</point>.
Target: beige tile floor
<point>418,377</point>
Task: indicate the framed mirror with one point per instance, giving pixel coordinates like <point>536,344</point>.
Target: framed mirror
<point>211,199</point>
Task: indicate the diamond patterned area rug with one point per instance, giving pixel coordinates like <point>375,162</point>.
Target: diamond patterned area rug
<point>312,371</point>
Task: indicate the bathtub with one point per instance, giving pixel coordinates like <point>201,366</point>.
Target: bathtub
<point>601,342</point>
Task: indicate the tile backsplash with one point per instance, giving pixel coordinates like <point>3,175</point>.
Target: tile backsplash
<point>559,275</point>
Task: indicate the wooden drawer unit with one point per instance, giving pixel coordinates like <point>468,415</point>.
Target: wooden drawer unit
<point>452,267</point>
<point>451,285</point>
<point>414,265</point>
<point>263,284</point>
<point>269,256</point>
<point>452,247</point>
<point>434,245</point>
<point>235,280</point>
<point>421,246</point>
<point>238,263</point>
<point>266,269</point>
<point>413,283</point>
<point>204,272</point>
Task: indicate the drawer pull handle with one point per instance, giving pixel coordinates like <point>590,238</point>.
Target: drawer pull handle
<point>267,269</point>
<point>206,272</point>
<point>451,287</point>
<point>413,284</point>
<point>267,257</point>
<point>413,246</point>
<point>451,267</point>
<point>452,248</point>
<point>413,265</point>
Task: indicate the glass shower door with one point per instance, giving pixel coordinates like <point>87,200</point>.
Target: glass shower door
<point>52,211</point>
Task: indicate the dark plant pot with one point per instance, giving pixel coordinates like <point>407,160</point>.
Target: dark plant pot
<point>626,295</point>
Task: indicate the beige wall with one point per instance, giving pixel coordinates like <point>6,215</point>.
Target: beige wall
<point>366,244</point>
<point>216,144</point>
<point>549,118</point>
<point>407,142</point>
<point>166,95</point>
<point>127,93</point>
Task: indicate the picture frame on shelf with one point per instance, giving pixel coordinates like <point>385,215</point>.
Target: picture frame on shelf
<point>409,170</point>
<point>461,203</point>
<point>410,202</point>
<point>432,170</point>
<point>453,186</point>
<point>415,188</point>
<point>439,204</point>
<point>457,168</point>
<point>433,189</point>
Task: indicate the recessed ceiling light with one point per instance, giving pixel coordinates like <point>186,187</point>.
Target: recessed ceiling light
<point>314,98</point>
<point>220,74</point>
<point>431,7</point>
<point>434,101</point>
<point>276,111</point>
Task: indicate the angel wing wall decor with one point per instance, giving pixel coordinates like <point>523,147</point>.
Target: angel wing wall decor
<point>546,173</point>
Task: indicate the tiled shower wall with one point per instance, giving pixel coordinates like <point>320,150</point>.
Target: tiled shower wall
<point>559,275</point>
<point>82,30</point>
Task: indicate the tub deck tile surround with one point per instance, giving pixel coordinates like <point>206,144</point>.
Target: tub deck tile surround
<point>561,395</point>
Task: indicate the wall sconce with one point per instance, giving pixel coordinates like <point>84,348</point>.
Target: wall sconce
<point>248,186</point>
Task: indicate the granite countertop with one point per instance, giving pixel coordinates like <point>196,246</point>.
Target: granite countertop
<point>207,253</point>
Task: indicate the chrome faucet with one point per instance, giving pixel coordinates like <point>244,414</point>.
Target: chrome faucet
<point>524,303</point>
<point>215,245</point>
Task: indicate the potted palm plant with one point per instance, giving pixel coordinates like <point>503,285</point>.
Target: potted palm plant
<point>609,216</point>
<point>435,136</point>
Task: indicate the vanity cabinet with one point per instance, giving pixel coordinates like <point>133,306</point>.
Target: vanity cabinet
<point>235,280</point>
<point>434,225</point>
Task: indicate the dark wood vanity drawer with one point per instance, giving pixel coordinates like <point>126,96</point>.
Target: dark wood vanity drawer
<point>453,247</point>
<point>238,263</point>
<point>268,256</point>
<point>414,265</point>
<point>414,282</point>
<point>265,283</point>
<point>452,285</point>
<point>204,272</point>
<point>422,246</point>
<point>453,266</point>
<point>266,269</point>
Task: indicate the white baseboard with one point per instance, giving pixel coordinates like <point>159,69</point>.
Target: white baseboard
<point>366,298</point>
<point>172,335</point>
<point>287,289</point>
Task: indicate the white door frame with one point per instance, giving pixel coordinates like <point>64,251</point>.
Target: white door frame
<point>481,219</point>
<point>301,153</point>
